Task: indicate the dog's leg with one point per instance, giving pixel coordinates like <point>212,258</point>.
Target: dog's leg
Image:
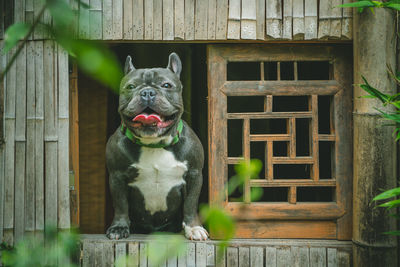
<point>120,225</point>
<point>191,223</point>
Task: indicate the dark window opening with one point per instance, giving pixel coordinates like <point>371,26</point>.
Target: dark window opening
<point>315,194</point>
<point>290,103</point>
<point>268,126</point>
<point>243,71</point>
<point>292,171</point>
<point>314,70</point>
<point>238,104</point>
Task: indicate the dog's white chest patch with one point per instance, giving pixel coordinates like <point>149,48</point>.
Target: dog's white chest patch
<point>158,173</point>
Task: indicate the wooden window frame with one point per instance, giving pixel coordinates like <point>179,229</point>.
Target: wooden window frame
<point>330,220</point>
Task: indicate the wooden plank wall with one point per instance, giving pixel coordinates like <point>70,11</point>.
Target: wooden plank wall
<point>200,20</point>
<point>34,184</point>
<point>34,158</point>
<point>99,251</point>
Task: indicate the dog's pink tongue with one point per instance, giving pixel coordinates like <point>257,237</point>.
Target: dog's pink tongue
<point>147,119</point>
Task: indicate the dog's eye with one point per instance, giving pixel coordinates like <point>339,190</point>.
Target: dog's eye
<point>130,86</point>
<point>166,85</point>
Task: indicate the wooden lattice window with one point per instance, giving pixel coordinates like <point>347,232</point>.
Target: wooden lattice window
<point>289,106</point>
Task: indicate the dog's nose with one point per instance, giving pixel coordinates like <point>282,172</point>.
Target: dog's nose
<point>148,94</point>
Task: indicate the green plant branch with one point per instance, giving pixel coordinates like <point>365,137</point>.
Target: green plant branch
<point>23,42</point>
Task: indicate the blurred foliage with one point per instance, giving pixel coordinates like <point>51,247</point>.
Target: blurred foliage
<point>93,58</point>
<point>362,4</point>
<point>55,249</point>
<point>161,248</point>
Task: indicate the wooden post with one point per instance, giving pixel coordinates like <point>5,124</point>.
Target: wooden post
<point>374,146</point>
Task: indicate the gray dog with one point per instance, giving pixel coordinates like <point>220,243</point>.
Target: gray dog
<point>154,159</point>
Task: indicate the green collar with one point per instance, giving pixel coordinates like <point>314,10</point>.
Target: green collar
<point>128,133</point>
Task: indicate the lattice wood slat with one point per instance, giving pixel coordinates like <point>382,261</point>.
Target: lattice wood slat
<point>294,165</point>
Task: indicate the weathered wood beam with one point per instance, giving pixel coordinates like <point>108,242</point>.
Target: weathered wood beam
<point>374,146</point>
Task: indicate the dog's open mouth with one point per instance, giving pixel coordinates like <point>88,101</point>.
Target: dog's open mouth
<point>150,118</point>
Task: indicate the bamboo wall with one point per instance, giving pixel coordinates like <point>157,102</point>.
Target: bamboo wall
<point>34,185</point>
<point>34,176</point>
<point>192,20</point>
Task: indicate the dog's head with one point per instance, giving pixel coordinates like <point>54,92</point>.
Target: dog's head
<point>150,101</point>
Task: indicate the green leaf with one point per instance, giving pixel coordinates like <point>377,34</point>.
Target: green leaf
<point>391,204</point>
<point>394,6</point>
<point>249,169</point>
<point>388,194</point>
<point>256,193</point>
<point>95,60</point>
<point>359,4</point>
<point>373,91</point>
<point>15,33</point>
<point>157,249</point>
<point>396,233</point>
<point>219,222</point>
<point>61,12</point>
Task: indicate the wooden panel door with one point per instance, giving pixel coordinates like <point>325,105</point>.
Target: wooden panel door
<point>289,106</point>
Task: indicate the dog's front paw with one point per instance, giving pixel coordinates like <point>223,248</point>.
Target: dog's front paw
<point>195,232</point>
<point>117,232</point>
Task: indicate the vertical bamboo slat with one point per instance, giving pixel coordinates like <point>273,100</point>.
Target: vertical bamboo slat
<point>234,19</point>
<point>324,24</point>
<point>189,19</point>
<point>336,20</point>
<point>95,24</point>
<point>30,139</point>
<point>117,21</point>
<point>201,19</point>
<point>260,19</point>
<point>221,26</point>
<point>107,20</point>
<point>274,19</point>
<point>2,26</point>
<point>84,23</point>
<point>310,19</point>
<point>128,19</point>
<point>232,257</point>
<point>212,19</point>
<point>50,132</point>
<point>248,21</point>
<point>95,20</point>
<point>168,19</point>
<point>29,13</point>
<point>157,20</point>
<point>19,11</point>
<point>3,88</point>
<point>37,5</point>
<point>347,22</point>
<point>201,254</point>
<point>298,20</point>
<point>244,257</point>
<point>179,19</point>
<point>39,136</point>
<point>288,17</point>
<point>148,20</point>
<point>138,20</point>
<point>210,255</point>
<point>20,141</point>
<point>63,141</point>
<point>256,256</point>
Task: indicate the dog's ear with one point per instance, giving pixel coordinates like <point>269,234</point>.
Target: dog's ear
<point>128,65</point>
<point>175,64</point>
